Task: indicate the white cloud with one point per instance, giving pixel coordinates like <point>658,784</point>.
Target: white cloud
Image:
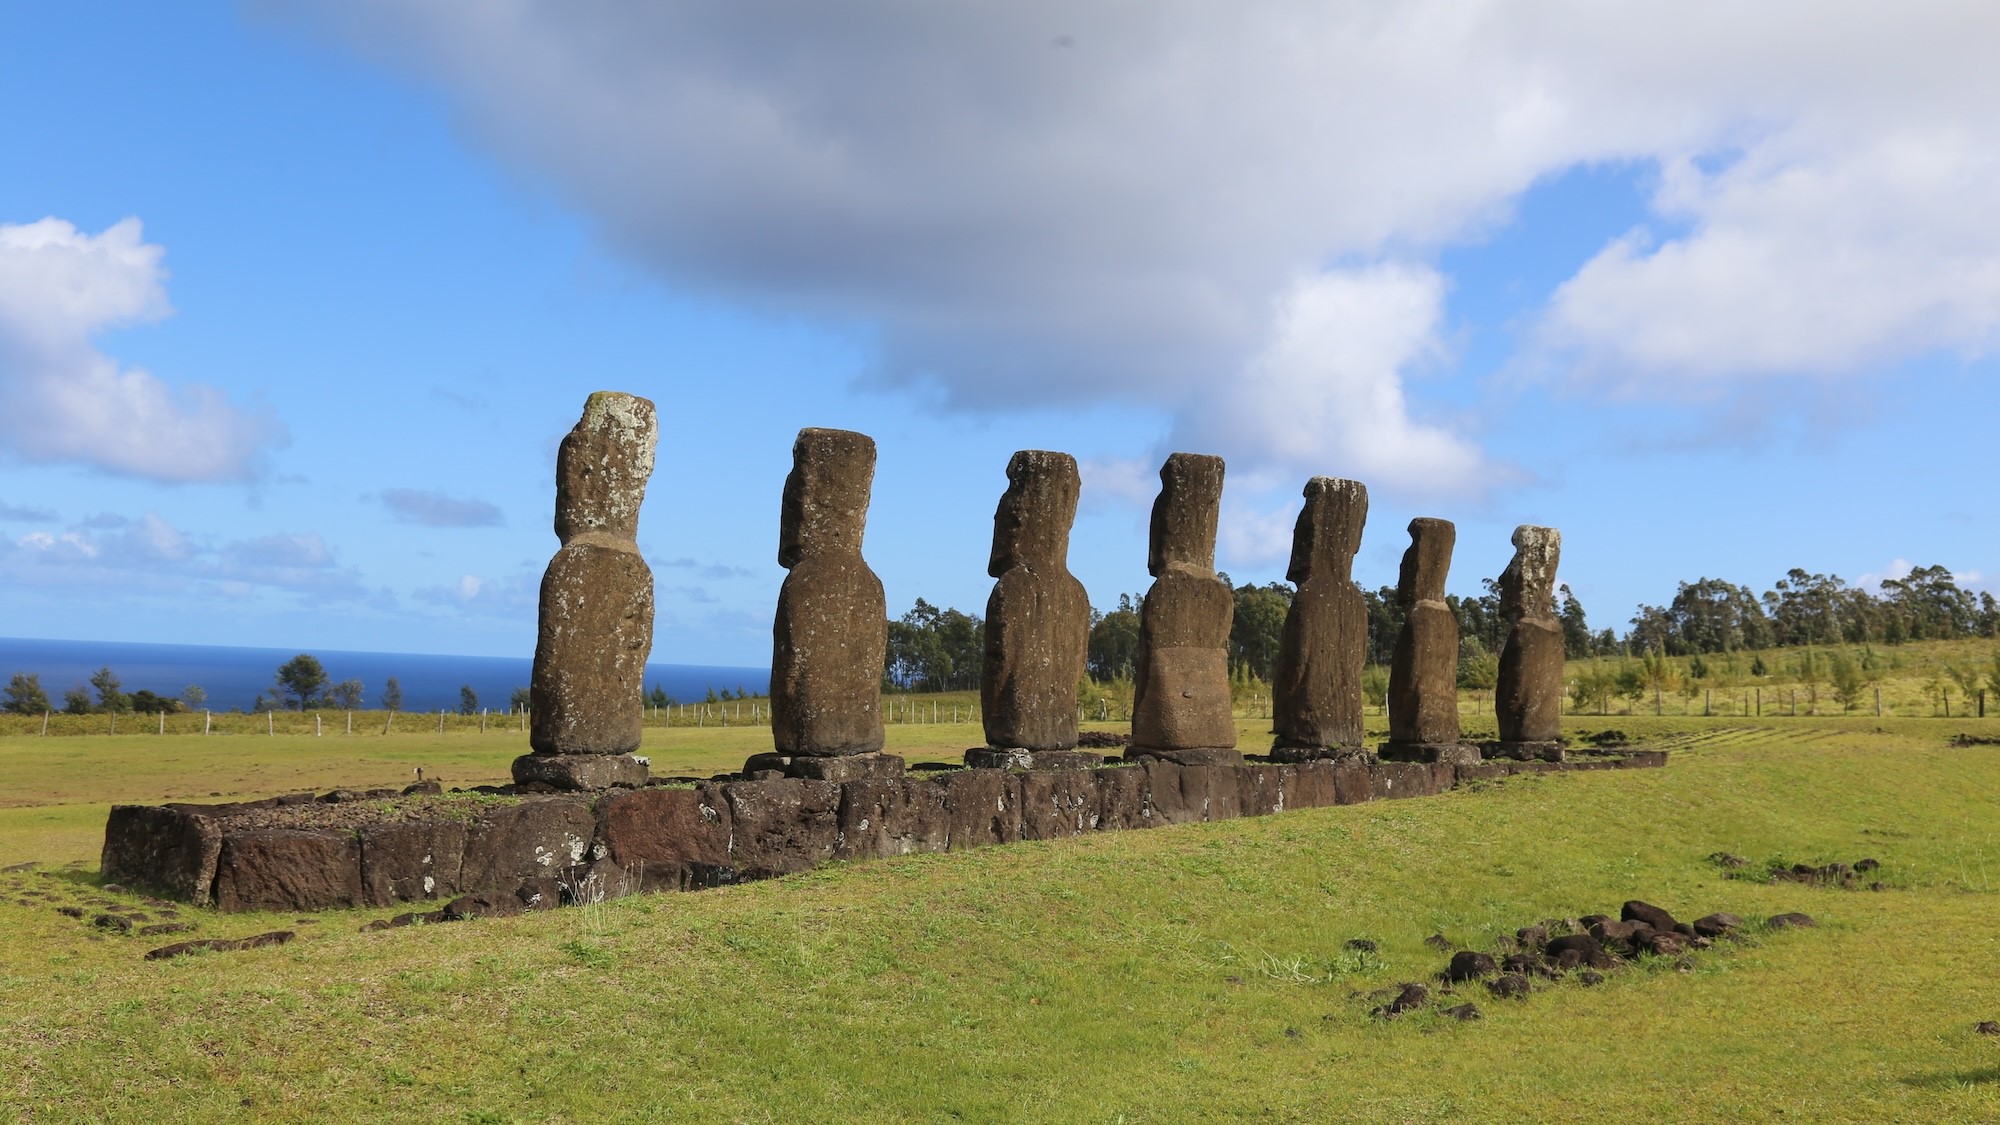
<point>62,400</point>
<point>149,555</point>
<point>1035,202</point>
<point>435,509</point>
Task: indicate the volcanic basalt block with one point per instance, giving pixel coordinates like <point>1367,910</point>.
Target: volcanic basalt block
<point>596,617</point>
<point>1316,686</point>
<point>1181,701</point>
<point>1528,700</point>
<point>830,634</point>
<point>1038,617</point>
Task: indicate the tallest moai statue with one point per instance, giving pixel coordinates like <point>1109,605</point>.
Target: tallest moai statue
<point>596,627</point>
<point>1180,696</point>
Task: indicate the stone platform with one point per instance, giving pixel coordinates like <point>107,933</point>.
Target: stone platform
<point>301,853</point>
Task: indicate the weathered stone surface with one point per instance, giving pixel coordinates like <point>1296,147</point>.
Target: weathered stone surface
<point>666,839</point>
<point>1528,701</point>
<point>1311,786</point>
<point>408,861</point>
<point>541,836</point>
<point>1181,695</point>
<point>596,618</point>
<point>1719,924</point>
<point>1789,921</point>
<point>1316,684</point>
<point>1122,798</point>
<point>1638,911</point>
<point>1587,949</point>
<point>282,869</point>
<point>1470,964</point>
<point>169,849</point>
<point>1166,798</point>
<point>830,634</point>
<point>890,816</point>
<point>1445,753</point>
<point>581,771</point>
<point>779,827</point>
<point>1352,783</point>
<point>1392,780</point>
<point>849,767</point>
<point>981,807</point>
<point>1038,617</point>
<point>1423,669</point>
<point>1057,804</point>
<point>1261,790</point>
<point>485,904</point>
<point>1015,758</point>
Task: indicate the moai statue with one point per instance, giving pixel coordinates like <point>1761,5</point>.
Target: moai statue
<point>1316,687</point>
<point>1180,698</point>
<point>596,627</point>
<point>1423,670</point>
<point>832,626</point>
<point>1528,701</point>
<point>1037,621</point>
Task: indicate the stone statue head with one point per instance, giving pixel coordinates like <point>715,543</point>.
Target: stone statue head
<point>826,495</point>
<point>603,465</point>
<point>1528,585</point>
<point>1185,514</point>
<point>1329,529</point>
<point>1427,562</point>
<point>1032,524</point>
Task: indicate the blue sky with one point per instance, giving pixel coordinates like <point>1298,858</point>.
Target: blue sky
<point>296,297</point>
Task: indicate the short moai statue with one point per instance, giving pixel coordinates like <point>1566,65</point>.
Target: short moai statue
<point>1316,686</point>
<point>596,624</point>
<point>1037,621</point>
<point>1180,697</point>
<point>1423,669</point>
<point>1528,700</point>
<point>831,630</point>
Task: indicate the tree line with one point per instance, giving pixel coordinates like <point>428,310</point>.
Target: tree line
<point>934,649</point>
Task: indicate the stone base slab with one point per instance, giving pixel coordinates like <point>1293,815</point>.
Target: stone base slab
<point>1360,754</point>
<point>1447,753</point>
<point>1525,751</point>
<point>1016,758</point>
<point>591,844</point>
<point>1192,756</point>
<point>581,772</point>
<point>845,767</point>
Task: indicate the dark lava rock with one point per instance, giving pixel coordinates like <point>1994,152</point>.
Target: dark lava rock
<point>1636,911</point>
<point>1862,866</point>
<point>488,904</point>
<point>70,911</point>
<point>1590,921</point>
<point>1588,978</point>
<point>1470,964</point>
<point>1717,925</point>
<point>116,923</point>
<point>1727,861</point>
<point>1586,949</point>
<point>1988,1027</point>
<point>1667,943</point>
<point>1788,921</point>
<point>1440,942</point>
<point>1462,1012</point>
<point>1360,945</point>
<point>1508,986</point>
<point>1411,997</point>
<point>220,945</point>
<point>165,928</point>
<point>1102,739</point>
<point>1532,937</point>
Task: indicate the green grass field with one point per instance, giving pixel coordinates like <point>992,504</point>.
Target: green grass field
<point>1183,974</point>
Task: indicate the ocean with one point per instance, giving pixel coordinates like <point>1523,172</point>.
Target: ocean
<point>233,677</point>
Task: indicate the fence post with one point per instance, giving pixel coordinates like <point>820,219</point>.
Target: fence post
<point>482,720</point>
<point>316,730</point>
<point>440,720</point>
<point>271,724</point>
<point>1707,701</point>
<point>1878,702</point>
<point>163,722</point>
<point>45,724</point>
<point>207,720</point>
<point>350,724</point>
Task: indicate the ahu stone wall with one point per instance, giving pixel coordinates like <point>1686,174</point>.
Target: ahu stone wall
<point>267,855</point>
